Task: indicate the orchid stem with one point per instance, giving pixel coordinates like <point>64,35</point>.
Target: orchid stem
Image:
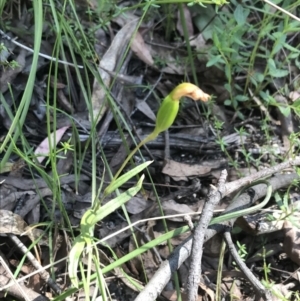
<point>150,137</point>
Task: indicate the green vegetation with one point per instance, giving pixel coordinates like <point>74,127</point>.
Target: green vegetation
<point>247,50</point>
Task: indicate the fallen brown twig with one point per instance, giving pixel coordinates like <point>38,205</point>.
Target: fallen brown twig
<point>14,290</point>
<point>44,274</point>
<point>260,290</point>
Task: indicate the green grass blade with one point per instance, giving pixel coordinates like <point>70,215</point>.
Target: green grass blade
<point>123,179</point>
<point>91,217</point>
<point>88,221</point>
<point>17,124</point>
<point>74,256</point>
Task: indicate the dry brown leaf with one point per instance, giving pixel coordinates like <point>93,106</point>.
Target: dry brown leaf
<point>11,223</point>
<point>137,204</point>
<point>283,292</point>
<point>199,43</point>
<point>171,207</point>
<point>179,179</point>
<point>294,95</point>
<point>235,291</point>
<point>176,169</point>
<point>170,295</point>
<point>44,149</point>
<point>10,74</point>
<point>291,243</point>
<point>35,280</point>
<point>213,246</point>
<point>174,61</point>
<point>188,22</point>
<point>259,223</point>
<point>141,50</point>
<point>146,110</point>
<point>12,166</point>
<point>208,291</point>
<point>108,62</point>
<point>146,261</point>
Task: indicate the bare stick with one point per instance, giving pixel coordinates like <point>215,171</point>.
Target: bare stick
<point>282,10</point>
<point>260,290</point>
<point>44,274</point>
<point>53,59</point>
<point>214,197</point>
<point>17,285</point>
<point>14,290</point>
<point>235,185</point>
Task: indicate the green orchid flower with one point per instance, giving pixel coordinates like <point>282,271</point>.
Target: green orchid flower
<point>84,242</point>
<point>167,113</point>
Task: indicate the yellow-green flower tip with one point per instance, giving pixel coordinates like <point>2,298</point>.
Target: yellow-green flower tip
<point>169,108</point>
<point>188,90</point>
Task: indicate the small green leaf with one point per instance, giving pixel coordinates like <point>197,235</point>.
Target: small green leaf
<point>269,99</point>
<point>240,14</point>
<point>291,48</point>
<point>205,20</point>
<point>296,103</point>
<point>271,64</point>
<point>228,87</point>
<point>279,42</point>
<point>259,77</point>
<point>228,50</point>
<point>240,42</point>
<point>228,72</point>
<point>278,73</point>
<point>227,102</point>
<point>265,30</point>
<point>286,111</point>
<point>293,55</point>
<point>216,40</point>
<point>240,115</point>
<point>242,97</point>
<point>274,72</point>
<point>214,60</point>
